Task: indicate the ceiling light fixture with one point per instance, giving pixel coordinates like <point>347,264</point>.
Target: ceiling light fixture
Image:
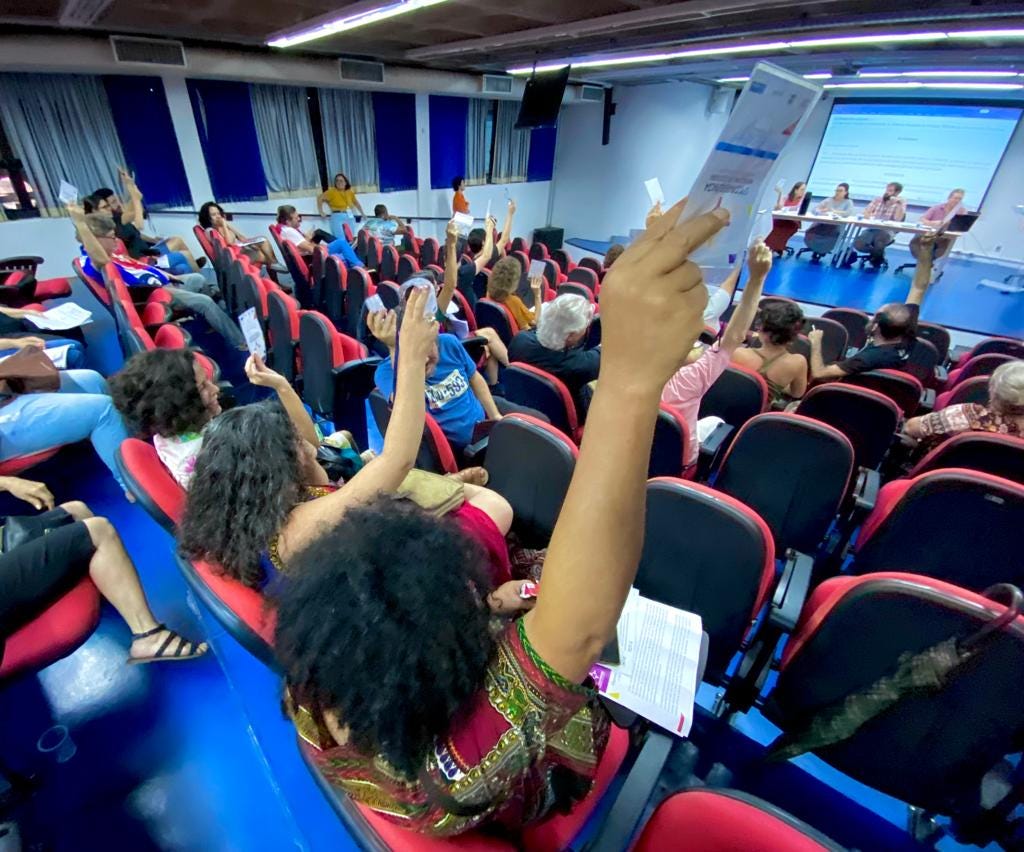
<point>824,75</point>
<point>976,87</point>
<point>774,47</point>
<point>733,79</point>
<point>925,74</point>
<point>359,15</point>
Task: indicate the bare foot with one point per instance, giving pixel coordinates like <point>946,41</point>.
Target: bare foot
<point>471,476</point>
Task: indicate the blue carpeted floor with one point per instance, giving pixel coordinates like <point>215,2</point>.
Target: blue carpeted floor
<point>956,301</point>
<point>197,755</point>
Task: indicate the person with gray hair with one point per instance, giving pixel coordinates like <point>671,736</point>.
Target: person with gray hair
<point>555,346</point>
<point>1003,415</point>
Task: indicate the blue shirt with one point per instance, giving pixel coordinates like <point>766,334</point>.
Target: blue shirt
<point>133,272</point>
<point>450,399</point>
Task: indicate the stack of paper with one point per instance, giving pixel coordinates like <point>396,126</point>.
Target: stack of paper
<point>659,653</point>
<point>68,315</point>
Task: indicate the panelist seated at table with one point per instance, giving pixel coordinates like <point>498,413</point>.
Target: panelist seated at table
<point>888,207</point>
<point>821,238</point>
<point>937,217</point>
<point>783,229</point>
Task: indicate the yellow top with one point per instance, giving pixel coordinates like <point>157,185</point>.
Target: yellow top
<point>340,200</point>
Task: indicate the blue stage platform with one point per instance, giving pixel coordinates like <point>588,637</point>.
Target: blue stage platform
<point>956,301</point>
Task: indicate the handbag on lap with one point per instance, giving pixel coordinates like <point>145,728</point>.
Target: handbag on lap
<point>432,492</point>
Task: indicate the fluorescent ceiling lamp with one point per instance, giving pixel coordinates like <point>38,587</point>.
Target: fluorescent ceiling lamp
<point>976,87</point>
<point>824,75</point>
<point>987,34</point>
<point>352,21</point>
<point>733,79</point>
<point>986,74</point>
<point>773,47</point>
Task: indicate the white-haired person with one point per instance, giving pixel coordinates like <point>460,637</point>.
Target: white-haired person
<point>1003,415</point>
<point>556,344</point>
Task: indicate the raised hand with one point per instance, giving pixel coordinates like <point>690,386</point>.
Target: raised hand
<point>511,207</point>
<point>653,214</point>
<point>652,301</point>
<point>759,259</point>
<point>815,335</point>
<point>261,375</point>
<point>537,283</point>
<point>384,326</point>
<point>451,232</point>
<point>419,332</point>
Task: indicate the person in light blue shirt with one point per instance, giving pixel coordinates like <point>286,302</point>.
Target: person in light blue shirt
<point>384,226</point>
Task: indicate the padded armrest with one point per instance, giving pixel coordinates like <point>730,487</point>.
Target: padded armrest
<point>865,495</point>
<point>791,591</point>
<point>711,449</point>
<point>474,347</point>
<point>927,401</point>
<point>474,454</point>
<point>941,375</point>
<point>356,377</point>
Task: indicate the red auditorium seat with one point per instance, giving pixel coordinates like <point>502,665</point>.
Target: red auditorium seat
<point>388,269</point>
<point>97,288</point>
<point>530,464</point>
<point>716,820</point>
<point>54,634</point>
<point>937,336</point>
<point>491,314</point>
<point>868,418</point>
<point>902,388</point>
<point>252,293</point>
<point>954,524</point>
<point>539,251</point>
<point>530,386</point>
<point>577,289</point>
<point>466,313</point>
<point>670,449</point>
<point>735,396</point>
<point>564,261</point>
<point>552,274</point>
<point>151,483</point>
<point>793,471</point>
<point>299,271</point>
<point>374,254</point>
<point>707,553</point>
<point>987,452</point>
<point>924,364</point>
<point>586,277</point>
<point>337,374</point>
<point>855,322</point>
<point>241,611</point>
<point>389,294</point>
<point>520,244</point>
<point>931,748</point>
<point>283,315</point>
<point>15,465</point>
<point>968,390</point>
<point>16,272</point>
<point>203,238</point>
<point>358,289</point>
<point>333,290</point>
<point>408,268</point>
<point>994,346</point>
<point>834,339</point>
<point>594,264</point>
<point>430,252</point>
<point>979,365</point>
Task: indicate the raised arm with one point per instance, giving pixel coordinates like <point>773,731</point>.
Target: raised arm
<point>537,288</point>
<point>759,263</point>
<point>261,375</point>
<point>321,200</point>
<point>482,259</point>
<point>359,207</point>
<point>97,254</point>
<point>592,559</point>
<point>923,271</point>
<point>451,267</point>
<point>133,212</point>
<point>506,229</point>
<point>405,429</point>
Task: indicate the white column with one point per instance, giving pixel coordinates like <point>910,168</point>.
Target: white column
<point>188,140</point>
<point>423,191</point>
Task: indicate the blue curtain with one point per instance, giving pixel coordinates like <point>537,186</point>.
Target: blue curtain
<point>448,118</point>
<point>227,130</point>
<point>541,165</point>
<point>394,117</point>
<point>143,122</point>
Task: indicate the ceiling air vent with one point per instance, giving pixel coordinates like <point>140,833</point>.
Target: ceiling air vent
<point>594,94</point>
<point>364,72</point>
<point>148,51</point>
<point>492,84</point>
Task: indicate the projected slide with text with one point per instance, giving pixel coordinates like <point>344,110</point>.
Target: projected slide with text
<point>929,148</point>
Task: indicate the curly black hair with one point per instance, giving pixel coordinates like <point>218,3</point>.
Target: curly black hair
<point>248,478</point>
<point>384,622</point>
<point>156,393</point>
<point>780,322</point>
<point>204,214</point>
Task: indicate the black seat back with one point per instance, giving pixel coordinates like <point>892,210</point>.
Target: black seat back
<point>902,388</point>
<point>937,336</point>
<point>586,277</point>
<point>736,396</point>
<point>333,290</point>
<point>316,276</point>
<point>868,418</point>
<point>983,365</point>
<point>388,264</point>
<point>357,289</point>
<point>282,322</point>
<point>932,747</point>
<point>952,524</point>
<point>670,447</point>
<point>531,465</point>
<point>855,322</point>
<point>430,252</point>
<point>923,360</point>
<point>792,471</point>
<point>708,554</point>
<point>834,339</point>
<point>527,385</point>
<point>987,452</point>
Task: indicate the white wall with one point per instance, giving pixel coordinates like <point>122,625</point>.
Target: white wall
<point>658,131</point>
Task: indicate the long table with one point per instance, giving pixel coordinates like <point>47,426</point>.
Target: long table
<point>853,225</point>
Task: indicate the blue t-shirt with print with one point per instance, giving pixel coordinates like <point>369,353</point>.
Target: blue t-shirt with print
<point>450,399</point>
